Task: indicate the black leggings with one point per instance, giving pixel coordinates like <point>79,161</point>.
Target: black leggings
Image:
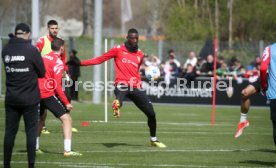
<point>141,100</point>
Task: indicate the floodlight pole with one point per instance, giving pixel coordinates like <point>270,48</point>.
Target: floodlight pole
<point>35,19</point>
<point>97,50</point>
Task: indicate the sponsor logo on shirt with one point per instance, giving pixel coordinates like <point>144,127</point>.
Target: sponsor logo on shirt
<point>12,70</point>
<point>48,57</point>
<point>126,61</point>
<point>9,59</point>
<point>18,58</point>
<point>58,67</point>
<point>8,69</point>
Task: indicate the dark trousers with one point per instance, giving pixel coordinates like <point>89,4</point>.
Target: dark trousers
<point>74,91</point>
<point>142,101</point>
<point>13,115</point>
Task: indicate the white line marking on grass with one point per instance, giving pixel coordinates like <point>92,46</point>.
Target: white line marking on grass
<point>167,123</point>
<point>136,165</point>
<point>185,114</point>
<point>159,123</point>
<point>159,150</point>
<point>172,150</point>
<point>175,132</point>
<point>110,165</point>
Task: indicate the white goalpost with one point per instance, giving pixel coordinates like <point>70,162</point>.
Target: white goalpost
<point>105,86</point>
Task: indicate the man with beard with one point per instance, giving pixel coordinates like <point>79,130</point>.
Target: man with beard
<point>127,59</point>
<point>44,46</point>
<point>44,43</point>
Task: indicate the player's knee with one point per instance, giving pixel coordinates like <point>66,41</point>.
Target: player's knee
<point>244,93</point>
<point>66,118</point>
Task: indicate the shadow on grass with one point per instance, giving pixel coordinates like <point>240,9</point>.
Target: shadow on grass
<point>111,145</point>
<point>266,150</point>
<point>257,150</point>
<point>257,162</point>
<point>44,152</point>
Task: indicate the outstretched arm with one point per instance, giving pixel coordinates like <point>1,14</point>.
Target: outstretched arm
<point>98,60</point>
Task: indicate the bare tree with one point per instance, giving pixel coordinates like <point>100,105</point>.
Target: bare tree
<point>181,3</point>
<point>153,21</point>
<point>210,16</point>
<point>216,19</point>
<point>230,5</point>
<point>196,4</point>
<point>88,8</point>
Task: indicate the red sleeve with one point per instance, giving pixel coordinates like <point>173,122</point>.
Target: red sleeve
<point>39,44</point>
<point>58,70</point>
<point>98,60</point>
<point>63,59</point>
<point>264,66</point>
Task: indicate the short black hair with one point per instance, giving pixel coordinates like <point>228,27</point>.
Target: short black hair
<point>132,30</point>
<point>52,22</point>
<point>56,44</point>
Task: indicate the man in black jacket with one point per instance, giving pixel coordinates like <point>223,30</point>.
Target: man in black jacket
<point>74,72</point>
<point>23,66</point>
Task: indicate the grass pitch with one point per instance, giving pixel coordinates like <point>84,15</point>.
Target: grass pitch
<point>186,130</point>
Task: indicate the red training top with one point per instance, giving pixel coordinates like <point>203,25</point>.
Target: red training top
<point>127,65</point>
<point>264,67</point>
<point>51,84</point>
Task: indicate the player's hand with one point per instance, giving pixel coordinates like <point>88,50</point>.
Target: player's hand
<point>263,91</point>
<point>69,107</point>
<point>67,77</point>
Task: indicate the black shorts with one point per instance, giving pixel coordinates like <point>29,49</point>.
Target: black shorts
<point>54,105</point>
<point>257,85</point>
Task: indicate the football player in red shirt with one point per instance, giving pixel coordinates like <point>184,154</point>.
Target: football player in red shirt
<point>50,86</point>
<point>44,43</point>
<point>44,46</point>
<point>128,58</point>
